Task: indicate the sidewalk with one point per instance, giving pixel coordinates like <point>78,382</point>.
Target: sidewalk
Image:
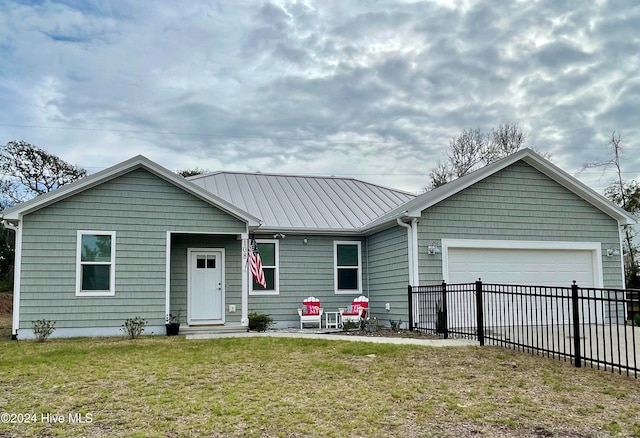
<point>313,334</point>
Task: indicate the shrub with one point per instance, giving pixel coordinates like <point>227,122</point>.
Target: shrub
<point>349,325</point>
<point>133,327</point>
<point>396,326</point>
<point>259,322</point>
<point>636,320</point>
<point>42,328</point>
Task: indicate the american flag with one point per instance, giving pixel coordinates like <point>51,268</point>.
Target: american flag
<point>256,264</point>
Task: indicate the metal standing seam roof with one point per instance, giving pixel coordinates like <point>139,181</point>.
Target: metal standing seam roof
<point>303,202</point>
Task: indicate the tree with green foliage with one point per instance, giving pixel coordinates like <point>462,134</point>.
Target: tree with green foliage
<point>192,172</point>
<point>7,257</point>
<point>27,171</point>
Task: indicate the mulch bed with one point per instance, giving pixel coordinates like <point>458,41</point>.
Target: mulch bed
<point>388,333</point>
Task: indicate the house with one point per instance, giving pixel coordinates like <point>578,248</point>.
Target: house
<point>138,240</point>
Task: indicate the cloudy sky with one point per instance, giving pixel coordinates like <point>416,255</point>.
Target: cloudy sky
<point>369,89</point>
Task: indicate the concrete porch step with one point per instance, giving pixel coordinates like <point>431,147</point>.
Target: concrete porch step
<point>204,329</point>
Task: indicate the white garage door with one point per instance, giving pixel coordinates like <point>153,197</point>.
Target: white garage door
<point>523,263</point>
<point>538,267</point>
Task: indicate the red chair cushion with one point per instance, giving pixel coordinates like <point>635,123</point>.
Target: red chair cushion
<point>354,309</point>
<point>311,308</point>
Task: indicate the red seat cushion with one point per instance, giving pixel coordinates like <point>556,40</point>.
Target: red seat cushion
<point>311,308</point>
<point>354,309</point>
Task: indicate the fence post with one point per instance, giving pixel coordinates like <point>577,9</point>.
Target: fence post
<point>442,318</point>
<point>479,312</point>
<point>576,325</point>
<point>410,294</point>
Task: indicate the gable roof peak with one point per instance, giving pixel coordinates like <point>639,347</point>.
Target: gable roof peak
<point>139,161</point>
<point>415,206</point>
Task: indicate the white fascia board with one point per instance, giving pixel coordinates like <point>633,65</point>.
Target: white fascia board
<point>309,231</point>
<point>389,220</point>
<point>579,188</point>
<point>121,169</point>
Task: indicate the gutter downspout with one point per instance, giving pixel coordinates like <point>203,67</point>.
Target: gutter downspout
<point>246,278</point>
<point>409,247</point>
<point>15,324</point>
<point>621,230</point>
<point>414,244</point>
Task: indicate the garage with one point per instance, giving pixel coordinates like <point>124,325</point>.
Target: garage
<point>542,267</point>
<point>520,263</point>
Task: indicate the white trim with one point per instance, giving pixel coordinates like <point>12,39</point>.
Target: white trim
<point>335,267</point>
<point>595,247</point>
<point>276,278</point>
<point>416,252</point>
<point>167,276</point>
<point>216,233</point>
<point>222,284</point>
<point>244,294</point>
<point>624,273</point>
<point>17,273</point>
<point>112,263</point>
<point>409,249</point>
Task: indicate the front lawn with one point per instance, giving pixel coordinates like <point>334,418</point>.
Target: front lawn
<point>267,387</point>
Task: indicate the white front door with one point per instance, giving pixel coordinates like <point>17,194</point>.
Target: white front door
<point>205,286</point>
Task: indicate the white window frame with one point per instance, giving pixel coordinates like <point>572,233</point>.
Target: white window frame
<point>335,267</point>
<point>112,272</point>
<point>276,274</point>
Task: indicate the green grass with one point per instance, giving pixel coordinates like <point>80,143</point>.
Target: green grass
<point>264,387</point>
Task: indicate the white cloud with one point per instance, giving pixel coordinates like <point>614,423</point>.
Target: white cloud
<point>369,89</point>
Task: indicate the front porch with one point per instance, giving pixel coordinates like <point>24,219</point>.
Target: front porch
<point>206,281</point>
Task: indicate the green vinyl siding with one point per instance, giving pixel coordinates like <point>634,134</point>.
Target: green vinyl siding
<point>306,270</point>
<point>389,268</point>
<point>140,207</point>
<point>516,203</point>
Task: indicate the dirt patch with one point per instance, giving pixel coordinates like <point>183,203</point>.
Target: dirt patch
<point>6,308</point>
<point>6,304</point>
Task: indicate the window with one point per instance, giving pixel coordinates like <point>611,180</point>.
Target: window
<point>347,267</point>
<point>95,270</point>
<point>268,250</point>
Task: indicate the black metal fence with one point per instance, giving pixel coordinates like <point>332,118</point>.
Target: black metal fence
<point>588,326</point>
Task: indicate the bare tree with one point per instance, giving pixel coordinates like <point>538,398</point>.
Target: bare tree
<point>439,175</point>
<point>467,151</point>
<point>29,171</point>
<point>473,149</point>
<point>625,194</point>
<point>505,140</point>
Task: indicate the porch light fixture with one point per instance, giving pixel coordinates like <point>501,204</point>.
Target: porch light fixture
<point>433,249</point>
<point>305,241</point>
<point>612,252</point>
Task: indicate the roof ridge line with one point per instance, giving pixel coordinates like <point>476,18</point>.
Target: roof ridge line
<point>291,175</point>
